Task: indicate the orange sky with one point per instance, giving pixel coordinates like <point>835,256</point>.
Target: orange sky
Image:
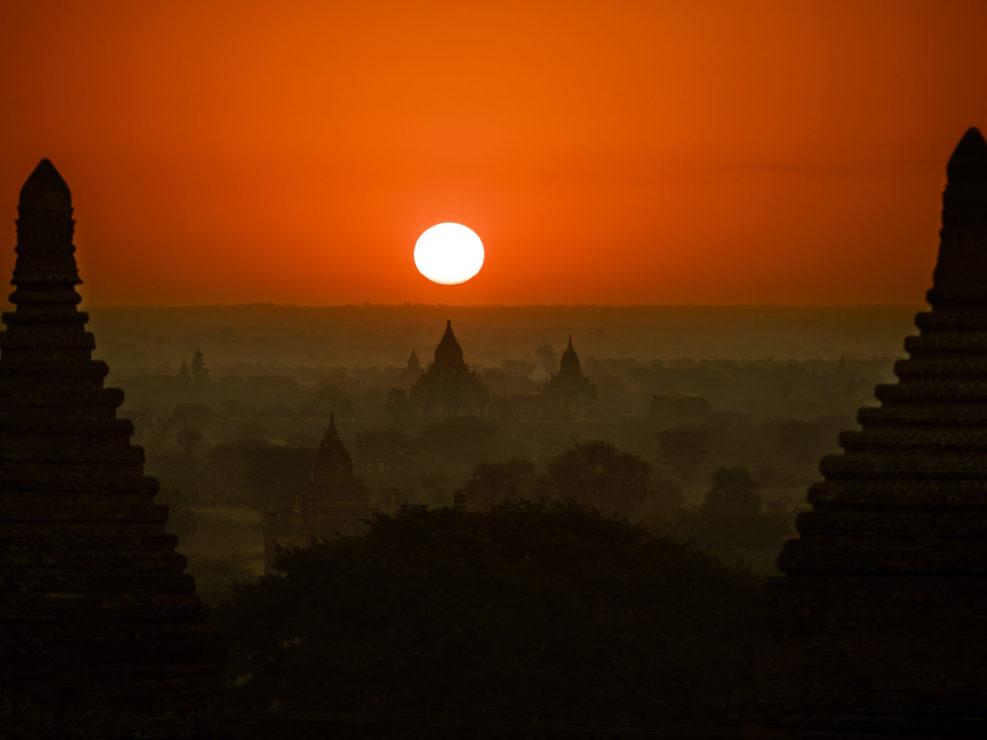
<point>606,152</point>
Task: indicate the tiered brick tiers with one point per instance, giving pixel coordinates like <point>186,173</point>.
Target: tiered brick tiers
<point>96,611</point>
<point>879,627</point>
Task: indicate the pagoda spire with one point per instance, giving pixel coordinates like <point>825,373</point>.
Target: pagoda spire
<point>969,160</point>
<point>45,266</point>
<point>960,277</point>
<point>97,611</point>
<point>333,464</point>
<point>570,360</point>
<point>448,350</point>
<point>877,627</point>
<point>45,189</point>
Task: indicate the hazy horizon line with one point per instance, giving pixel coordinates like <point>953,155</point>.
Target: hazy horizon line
<point>272,304</point>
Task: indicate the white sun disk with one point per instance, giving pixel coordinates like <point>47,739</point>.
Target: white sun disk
<point>448,253</point>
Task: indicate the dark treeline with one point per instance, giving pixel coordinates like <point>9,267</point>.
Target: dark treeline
<point>546,613</point>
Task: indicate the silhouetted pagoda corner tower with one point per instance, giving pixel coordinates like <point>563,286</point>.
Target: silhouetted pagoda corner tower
<point>96,611</point>
<point>412,371</point>
<point>333,503</point>
<point>878,629</point>
<point>569,394</point>
<point>449,387</point>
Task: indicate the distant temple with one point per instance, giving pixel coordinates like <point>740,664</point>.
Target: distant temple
<point>569,394</point>
<point>333,503</point>
<point>97,613</point>
<point>878,629</point>
<point>412,371</point>
<point>566,395</point>
<point>449,387</point>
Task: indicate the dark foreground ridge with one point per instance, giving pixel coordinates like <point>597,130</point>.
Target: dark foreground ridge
<point>96,611</point>
<point>879,627</point>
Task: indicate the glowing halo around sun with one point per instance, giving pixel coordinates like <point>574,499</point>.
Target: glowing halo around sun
<point>449,253</point>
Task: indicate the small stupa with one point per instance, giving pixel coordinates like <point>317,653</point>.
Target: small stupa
<point>878,629</point>
<point>97,612</point>
<point>334,503</point>
<point>412,371</point>
<point>569,394</point>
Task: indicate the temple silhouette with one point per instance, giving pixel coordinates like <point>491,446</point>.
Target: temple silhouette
<point>565,396</point>
<point>569,394</point>
<point>333,503</point>
<point>412,371</point>
<point>449,388</point>
<point>96,610</point>
<point>878,628</point>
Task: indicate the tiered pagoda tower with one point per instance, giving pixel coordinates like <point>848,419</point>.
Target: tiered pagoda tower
<point>878,629</point>
<point>569,394</point>
<point>96,611</point>
<point>449,387</point>
<point>334,503</point>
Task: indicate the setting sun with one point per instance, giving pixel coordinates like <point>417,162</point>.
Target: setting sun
<point>449,253</point>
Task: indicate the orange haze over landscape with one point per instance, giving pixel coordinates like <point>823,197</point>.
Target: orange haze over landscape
<point>770,152</point>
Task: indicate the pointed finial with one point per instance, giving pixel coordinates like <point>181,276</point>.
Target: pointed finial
<point>45,253</point>
<point>969,161</point>
<point>45,190</point>
<point>960,276</point>
<point>448,349</point>
<point>570,360</point>
<point>332,420</point>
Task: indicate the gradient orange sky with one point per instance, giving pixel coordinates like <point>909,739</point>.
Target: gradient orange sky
<point>773,152</point>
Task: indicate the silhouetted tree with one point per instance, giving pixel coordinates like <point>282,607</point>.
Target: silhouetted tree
<point>188,440</point>
<point>734,516</point>
<point>494,482</point>
<point>599,475</point>
<point>529,611</point>
<point>197,368</point>
<point>148,429</point>
<point>683,449</point>
<point>548,359</point>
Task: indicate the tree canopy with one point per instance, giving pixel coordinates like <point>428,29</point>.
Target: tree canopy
<point>527,610</point>
<point>733,516</point>
<point>494,482</point>
<point>598,474</point>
